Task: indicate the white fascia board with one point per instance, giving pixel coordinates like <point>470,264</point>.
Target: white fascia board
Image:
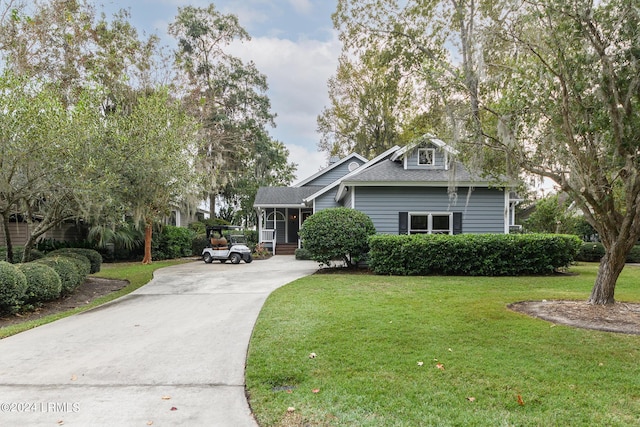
<point>419,184</point>
<point>331,167</point>
<point>271,206</point>
<point>435,141</point>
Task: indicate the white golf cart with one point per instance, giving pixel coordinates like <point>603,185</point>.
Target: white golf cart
<point>222,249</point>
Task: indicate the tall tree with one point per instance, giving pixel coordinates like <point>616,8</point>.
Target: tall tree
<point>551,88</point>
<point>157,140</point>
<point>228,96</point>
<point>369,95</point>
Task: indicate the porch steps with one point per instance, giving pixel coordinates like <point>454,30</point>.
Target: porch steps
<point>286,248</point>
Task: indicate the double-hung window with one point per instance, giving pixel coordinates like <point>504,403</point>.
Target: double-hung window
<point>430,223</point>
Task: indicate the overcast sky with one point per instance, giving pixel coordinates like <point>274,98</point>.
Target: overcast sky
<point>293,44</point>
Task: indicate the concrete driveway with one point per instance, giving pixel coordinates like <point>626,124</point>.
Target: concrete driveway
<point>170,354</point>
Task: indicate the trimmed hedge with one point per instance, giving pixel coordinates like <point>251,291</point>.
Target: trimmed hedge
<point>593,252</point>
<point>81,261</point>
<point>67,270</point>
<point>94,257</point>
<point>43,283</point>
<point>471,254</point>
<point>13,285</point>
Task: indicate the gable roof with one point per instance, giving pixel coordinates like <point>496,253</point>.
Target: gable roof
<point>361,169</point>
<point>283,196</point>
<point>425,138</point>
<point>331,167</point>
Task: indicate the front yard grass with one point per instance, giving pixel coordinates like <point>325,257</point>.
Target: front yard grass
<point>439,351</point>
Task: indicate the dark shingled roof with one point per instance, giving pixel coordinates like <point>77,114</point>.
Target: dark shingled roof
<point>284,195</point>
<point>389,171</point>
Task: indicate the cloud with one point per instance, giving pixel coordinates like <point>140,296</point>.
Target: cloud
<point>302,6</point>
<point>297,73</point>
<point>309,162</point>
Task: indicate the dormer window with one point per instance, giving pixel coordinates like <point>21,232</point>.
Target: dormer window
<point>426,156</point>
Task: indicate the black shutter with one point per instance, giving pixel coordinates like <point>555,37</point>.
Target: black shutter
<point>403,223</point>
<point>457,223</point>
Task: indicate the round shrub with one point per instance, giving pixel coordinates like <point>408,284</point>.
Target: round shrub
<point>93,256</point>
<point>81,261</point>
<point>13,285</point>
<point>43,283</point>
<point>67,270</point>
<point>337,234</point>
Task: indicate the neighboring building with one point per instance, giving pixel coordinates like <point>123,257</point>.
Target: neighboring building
<point>419,188</point>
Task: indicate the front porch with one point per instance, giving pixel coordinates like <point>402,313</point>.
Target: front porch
<point>278,228</point>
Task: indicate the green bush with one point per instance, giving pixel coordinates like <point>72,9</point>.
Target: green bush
<point>590,252</point>
<point>81,261</point>
<point>337,234</point>
<point>593,252</point>
<point>13,286</point>
<point>302,254</point>
<point>43,283</point>
<point>93,256</point>
<point>67,269</point>
<point>198,243</point>
<point>472,254</point>
<point>173,242</point>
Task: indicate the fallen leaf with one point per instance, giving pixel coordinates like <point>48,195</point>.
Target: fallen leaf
<point>173,408</point>
<point>312,356</point>
<point>440,366</point>
<point>149,423</point>
<point>315,390</point>
<point>471,399</point>
<point>60,422</point>
<point>450,350</point>
<point>291,409</point>
<point>74,377</point>
<point>166,397</point>
<point>289,391</point>
<point>520,401</point>
<point>420,363</point>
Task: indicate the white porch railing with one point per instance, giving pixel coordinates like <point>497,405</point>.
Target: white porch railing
<point>269,236</point>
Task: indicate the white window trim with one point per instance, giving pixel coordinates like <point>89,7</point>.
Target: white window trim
<point>430,216</point>
<point>433,156</point>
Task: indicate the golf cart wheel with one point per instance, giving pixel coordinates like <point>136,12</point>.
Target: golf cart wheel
<point>235,258</point>
<point>207,258</point>
<point>248,259</point>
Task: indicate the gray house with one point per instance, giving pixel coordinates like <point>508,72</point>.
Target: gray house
<point>419,188</point>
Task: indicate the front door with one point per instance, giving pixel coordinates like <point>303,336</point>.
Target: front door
<point>293,226</point>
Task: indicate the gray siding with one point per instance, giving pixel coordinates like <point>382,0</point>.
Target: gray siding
<point>482,212</point>
<point>327,200</point>
<point>334,174</point>
<point>412,160</point>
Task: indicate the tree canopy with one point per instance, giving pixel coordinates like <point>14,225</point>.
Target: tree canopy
<point>548,88</point>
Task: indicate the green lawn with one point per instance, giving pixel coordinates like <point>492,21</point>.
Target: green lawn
<point>379,340</point>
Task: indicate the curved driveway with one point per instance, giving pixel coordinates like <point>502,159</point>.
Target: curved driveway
<point>171,353</point>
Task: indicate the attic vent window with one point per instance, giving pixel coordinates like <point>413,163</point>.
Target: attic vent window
<point>353,166</point>
<point>426,156</point>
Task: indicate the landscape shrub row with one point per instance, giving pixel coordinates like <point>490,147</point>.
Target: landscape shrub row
<point>59,273</point>
<point>471,254</point>
<point>593,252</point>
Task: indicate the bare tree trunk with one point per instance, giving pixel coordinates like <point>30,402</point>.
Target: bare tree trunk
<point>611,266</point>
<point>148,234</point>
